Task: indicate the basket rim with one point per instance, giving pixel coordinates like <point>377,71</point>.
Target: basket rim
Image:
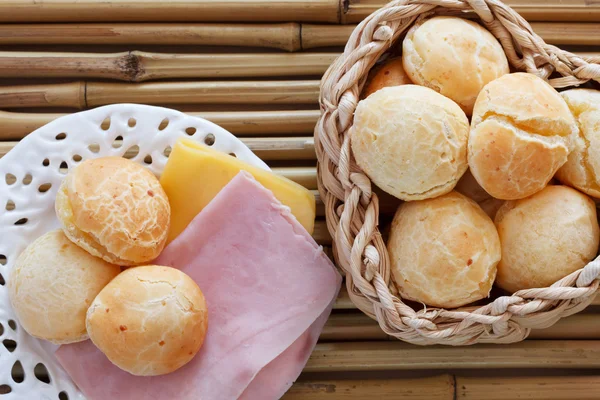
<point>352,210</point>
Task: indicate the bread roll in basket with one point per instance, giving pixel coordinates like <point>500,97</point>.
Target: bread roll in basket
<point>352,208</point>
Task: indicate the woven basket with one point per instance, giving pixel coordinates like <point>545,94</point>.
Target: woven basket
<point>352,209</point>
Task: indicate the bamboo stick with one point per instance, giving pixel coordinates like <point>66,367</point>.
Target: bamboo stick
<point>450,387</point>
<point>357,326</point>
<point>532,10</point>
<point>564,33</point>
<point>439,387</point>
<point>284,36</point>
<point>137,66</point>
<point>179,10</point>
<point>396,355</point>
<point>288,36</point>
<point>528,388</point>
<point>241,123</point>
<point>101,93</point>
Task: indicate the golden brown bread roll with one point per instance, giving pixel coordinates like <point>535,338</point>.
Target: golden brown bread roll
<point>454,56</point>
<point>545,237</point>
<point>443,251</point>
<point>411,141</point>
<point>389,73</point>
<point>52,285</point>
<point>115,209</point>
<point>582,169</point>
<point>149,320</point>
<point>521,133</point>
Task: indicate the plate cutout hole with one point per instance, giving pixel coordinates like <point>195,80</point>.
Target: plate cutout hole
<point>163,124</point>
<point>233,155</point>
<point>77,157</point>
<point>131,122</point>
<point>63,168</point>
<point>10,179</point>
<point>41,372</point>
<point>105,125</point>
<point>94,148</point>
<point>63,396</point>
<point>9,344</point>
<point>1,329</point>
<point>2,281</point>
<point>5,389</point>
<point>167,151</point>
<point>132,152</point>
<point>22,221</point>
<point>148,159</point>
<point>3,259</point>
<point>12,324</point>
<point>17,373</point>
<point>61,136</point>
<point>118,142</point>
<point>44,187</point>
<point>27,180</point>
<point>10,205</point>
<point>190,131</point>
<point>209,140</point>
<point>46,162</point>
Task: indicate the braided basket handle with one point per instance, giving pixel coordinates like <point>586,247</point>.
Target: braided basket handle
<point>352,208</point>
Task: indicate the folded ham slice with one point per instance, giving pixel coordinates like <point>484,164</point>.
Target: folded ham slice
<point>269,289</point>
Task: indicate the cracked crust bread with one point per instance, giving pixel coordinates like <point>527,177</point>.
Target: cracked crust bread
<point>453,56</point>
<point>52,285</point>
<point>149,320</point>
<point>545,237</point>
<point>521,134</point>
<point>115,209</point>
<point>389,73</point>
<point>411,141</point>
<point>443,251</point>
<point>582,169</point>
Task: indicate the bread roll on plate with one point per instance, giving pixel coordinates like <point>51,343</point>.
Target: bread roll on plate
<point>454,56</point>
<point>115,209</point>
<point>52,285</point>
<point>582,169</point>
<point>443,251</point>
<point>389,73</point>
<point>411,141</point>
<point>521,133</point>
<point>150,320</point>
<point>545,237</point>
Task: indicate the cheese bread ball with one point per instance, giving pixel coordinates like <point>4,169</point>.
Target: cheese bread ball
<point>389,73</point>
<point>545,237</point>
<point>582,169</point>
<point>443,251</point>
<point>454,56</point>
<point>115,209</point>
<point>521,134</point>
<point>150,320</point>
<point>52,285</point>
<point>411,141</point>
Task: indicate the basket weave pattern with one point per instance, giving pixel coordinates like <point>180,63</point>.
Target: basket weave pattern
<point>352,209</point>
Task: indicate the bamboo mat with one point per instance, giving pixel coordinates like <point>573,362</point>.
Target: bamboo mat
<point>253,67</point>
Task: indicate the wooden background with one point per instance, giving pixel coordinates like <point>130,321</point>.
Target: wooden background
<point>253,66</point>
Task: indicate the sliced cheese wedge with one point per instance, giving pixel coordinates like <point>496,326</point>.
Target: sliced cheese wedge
<point>195,173</point>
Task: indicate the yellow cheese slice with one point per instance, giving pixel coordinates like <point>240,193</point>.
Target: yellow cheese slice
<point>195,173</point>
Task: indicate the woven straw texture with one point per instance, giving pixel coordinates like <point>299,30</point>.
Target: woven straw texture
<point>352,209</point>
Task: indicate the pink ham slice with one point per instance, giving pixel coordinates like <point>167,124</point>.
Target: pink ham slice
<point>269,289</point>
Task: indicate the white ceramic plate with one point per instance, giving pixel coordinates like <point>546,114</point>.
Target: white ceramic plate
<point>27,210</point>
